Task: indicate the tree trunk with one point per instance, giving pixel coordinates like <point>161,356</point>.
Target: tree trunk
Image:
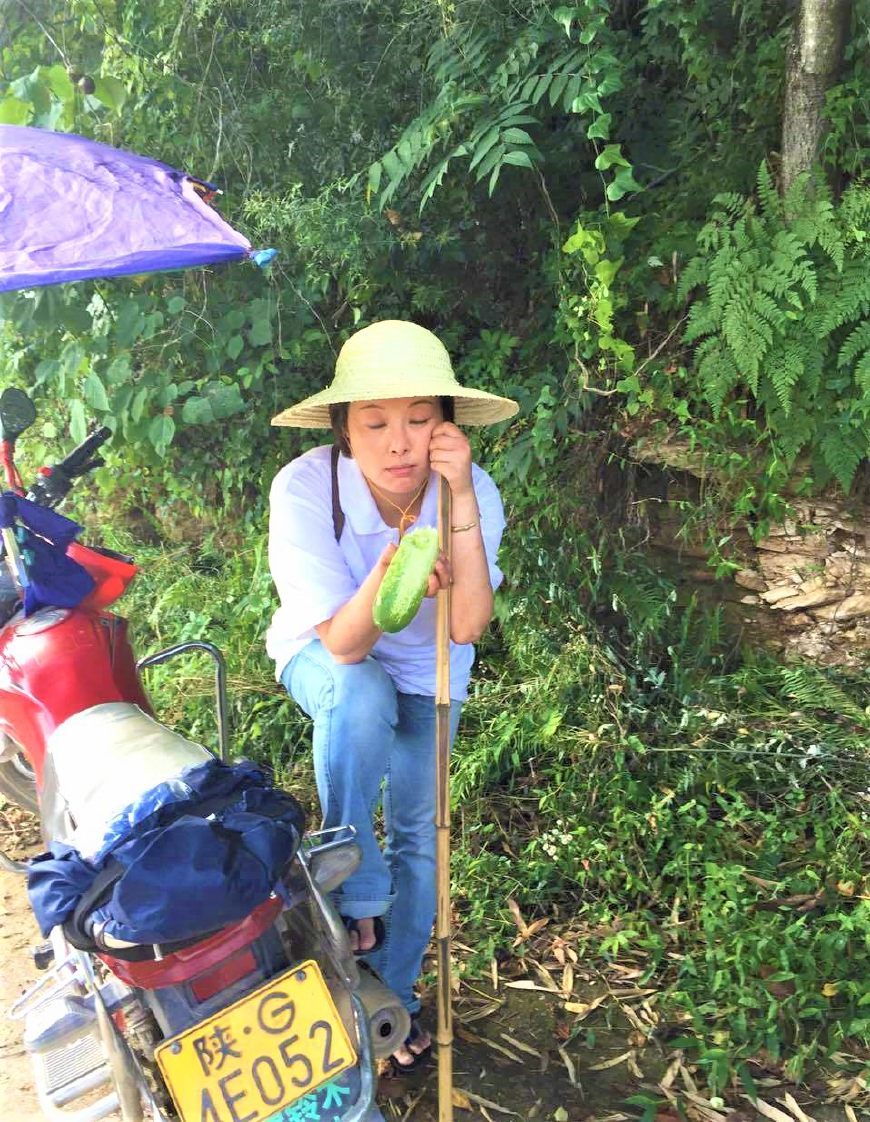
<point>814,60</point>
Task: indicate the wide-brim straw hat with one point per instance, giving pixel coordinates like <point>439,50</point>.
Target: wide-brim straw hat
<point>394,358</point>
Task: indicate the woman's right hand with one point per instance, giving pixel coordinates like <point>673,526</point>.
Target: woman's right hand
<point>383,562</point>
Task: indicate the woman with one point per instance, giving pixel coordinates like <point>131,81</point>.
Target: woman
<point>336,515</point>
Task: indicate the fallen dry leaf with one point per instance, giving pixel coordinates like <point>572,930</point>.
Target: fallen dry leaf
<point>633,1066</point>
<point>522,926</point>
<point>569,1066</point>
<point>791,1103</point>
<point>672,1071</point>
<point>584,1008</point>
<point>480,1101</point>
<point>769,1111</point>
<point>512,1040</point>
<point>528,984</point>
<point>611,1063</point>
<point>479,1014</point>
<point>460,1100</point>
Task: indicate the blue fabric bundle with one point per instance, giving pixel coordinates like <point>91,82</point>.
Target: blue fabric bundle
<point>192,865</point>
<point>53,579</point>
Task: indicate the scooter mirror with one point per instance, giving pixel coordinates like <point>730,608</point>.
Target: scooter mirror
<point>17,413</point>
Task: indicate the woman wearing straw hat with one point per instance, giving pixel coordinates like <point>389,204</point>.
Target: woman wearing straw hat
<point>336,514</point>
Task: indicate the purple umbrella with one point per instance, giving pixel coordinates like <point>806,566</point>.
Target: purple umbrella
<point>71,209</point>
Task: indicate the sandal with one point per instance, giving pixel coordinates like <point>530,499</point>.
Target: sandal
<point>420,1057</point>
<point>380,934</point>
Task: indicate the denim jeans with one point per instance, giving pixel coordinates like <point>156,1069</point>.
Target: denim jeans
<point>368,734</point>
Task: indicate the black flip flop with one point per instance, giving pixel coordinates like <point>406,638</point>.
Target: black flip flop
<point>380,933</point>
<point>419,1059</point>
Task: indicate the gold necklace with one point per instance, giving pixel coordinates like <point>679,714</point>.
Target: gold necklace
<point>405,519</point>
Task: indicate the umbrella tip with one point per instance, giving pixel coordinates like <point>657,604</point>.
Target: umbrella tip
<point>263,257</point>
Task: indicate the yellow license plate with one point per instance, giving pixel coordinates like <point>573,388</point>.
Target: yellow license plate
<point>248,1062</point>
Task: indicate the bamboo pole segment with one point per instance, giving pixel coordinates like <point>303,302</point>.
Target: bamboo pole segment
<point>444,1033</point>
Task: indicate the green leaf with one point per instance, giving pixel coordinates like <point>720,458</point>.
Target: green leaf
<point>609,157</point>
<point>606,270</point>
<point>234,346</point>
<point>95,393</point>
<point>565,17</point>
<point>600,127</point>
<point>78,425</point>
<point>197,411</point>
<point>175,304</point>
<point>261,331</point>
<point>111,92</point>
<point>216,402</point>
<point>31,88</point>
<point>13,111</point>
<point>58,81</point>
<point>492,160</point>
<point>486,142</point>
<point>622,183</point>
<point>161,431</point>
<point>519,158</point>
<point>225,399</point>
<point>137,405</point>
<point>517,136</point>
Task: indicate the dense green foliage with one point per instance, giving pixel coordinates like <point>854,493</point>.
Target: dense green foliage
<point>572,197</point>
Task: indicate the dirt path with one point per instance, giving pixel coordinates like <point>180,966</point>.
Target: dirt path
<point>18,933</point>
<point>554,1044</point>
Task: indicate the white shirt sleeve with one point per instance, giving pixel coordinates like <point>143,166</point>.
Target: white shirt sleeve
<point>492,521</point>
<point>310,573</point>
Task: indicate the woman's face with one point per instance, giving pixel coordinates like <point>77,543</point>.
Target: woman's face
<point>389,440</point>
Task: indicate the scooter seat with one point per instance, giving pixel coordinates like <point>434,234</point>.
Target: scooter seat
<point>106,758</point>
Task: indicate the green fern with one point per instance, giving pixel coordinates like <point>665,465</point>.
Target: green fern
<point>782,313</point>
<point>811,689</point>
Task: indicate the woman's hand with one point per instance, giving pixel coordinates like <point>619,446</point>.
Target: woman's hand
<point>450,456</point>
<point>439,577</point>
<point>383,562</point>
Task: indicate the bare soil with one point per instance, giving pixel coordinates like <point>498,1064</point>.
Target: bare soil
<point>543,1039</point>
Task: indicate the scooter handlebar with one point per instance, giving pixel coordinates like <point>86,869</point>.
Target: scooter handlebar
<point>81,459</point>
<point>53,483</point>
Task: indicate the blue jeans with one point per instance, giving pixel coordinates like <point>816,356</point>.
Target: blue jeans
<point>368,734</point>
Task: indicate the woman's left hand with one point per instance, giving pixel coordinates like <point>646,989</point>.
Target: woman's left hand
<point>450,456</point>
<point>439,577</point>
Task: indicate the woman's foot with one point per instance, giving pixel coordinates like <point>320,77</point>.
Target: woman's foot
<point>366,935</point>
<point>415,1050</point>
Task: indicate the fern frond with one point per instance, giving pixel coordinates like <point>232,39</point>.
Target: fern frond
<point>768,196</point>
<point>694,274</point>
<point>857,341</point>
<point>842,451</point>
<point>855,210</point>
<point>846,297</point>
<point>701,321</point>
<point>785,368</point>
<point>719,375</point>
<point>862,375</point>
<point>812,690</point>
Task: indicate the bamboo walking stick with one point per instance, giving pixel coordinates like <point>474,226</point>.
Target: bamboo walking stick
<point>444,1034</point>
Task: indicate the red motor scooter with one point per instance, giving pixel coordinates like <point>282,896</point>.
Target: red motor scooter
<point>267,1017</point>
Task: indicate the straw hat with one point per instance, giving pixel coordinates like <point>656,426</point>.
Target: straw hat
<point>395,358</point>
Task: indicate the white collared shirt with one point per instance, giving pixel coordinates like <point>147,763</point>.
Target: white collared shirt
<point>315,575</point>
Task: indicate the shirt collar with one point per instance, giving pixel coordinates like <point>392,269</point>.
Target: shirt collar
<point>359,506</point>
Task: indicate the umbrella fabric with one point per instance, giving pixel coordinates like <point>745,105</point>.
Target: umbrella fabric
<point>71,208</point>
